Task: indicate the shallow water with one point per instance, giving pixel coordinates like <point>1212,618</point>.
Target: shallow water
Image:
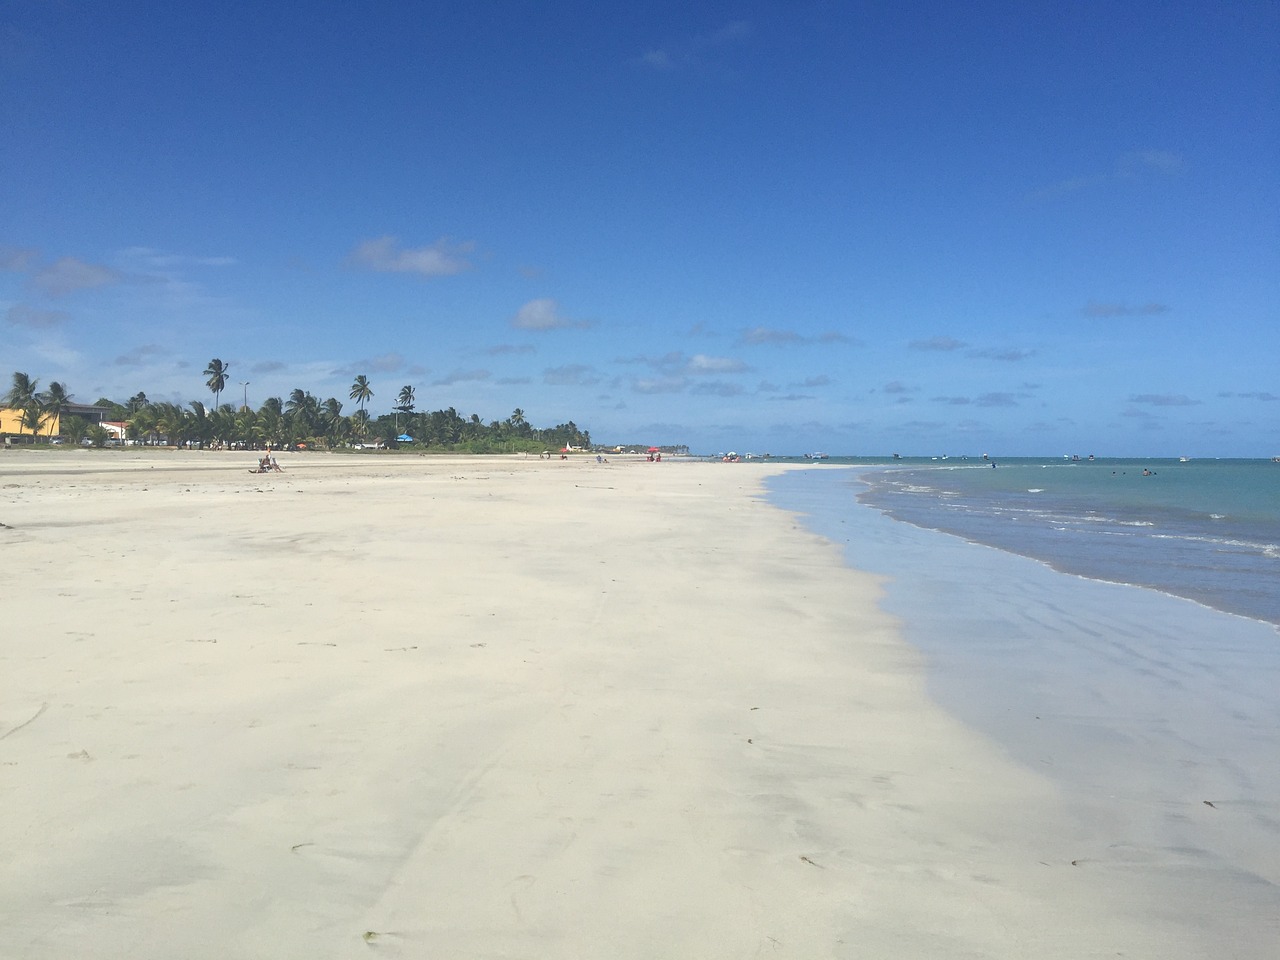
<point>1205,530</point>
<point>1141,706</point>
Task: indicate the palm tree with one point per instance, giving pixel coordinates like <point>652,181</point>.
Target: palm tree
<point>32,415</point>
<point>404,404</point>
<point>360,392</point>
<point>518,423</point>
<point>216,371</point>
<point>143,422</point>
<point>360,420</point>
<point>55,402</point>
<point>173,422</point>
<point>24,397</point>
<point>405,400</point>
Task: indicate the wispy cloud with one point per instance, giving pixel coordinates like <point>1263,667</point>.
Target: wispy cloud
<point>506,349</point>
<point>384,363</point>
<point>1262,395</point>
<point>1139,161</point>
<point>571,375</point>
<point>939,344</point>
<point>1164,399</point>
<point>764,335</point>
<point>1008,356</point>
<point>441,259</point>
<point>462,376</point>
<point>142,355</point>
<point>660,385</point>
<point>676,364</point>
<point>768,336</point>
<point>696,50</point>
<point>544,314</point>
<point>68,274</point>
<point>18,259</point>
<point>148,258</point>
<point>716,388</point>
<point>1127,167</point>
<point>701,363</point>
<point>21,315</point>
<point>997,400</point>
<point>1106,310</point>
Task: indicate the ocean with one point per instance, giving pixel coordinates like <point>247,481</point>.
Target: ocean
<point>1206,530</point>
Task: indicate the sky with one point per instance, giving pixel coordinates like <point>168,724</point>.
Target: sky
<point>777,227</point>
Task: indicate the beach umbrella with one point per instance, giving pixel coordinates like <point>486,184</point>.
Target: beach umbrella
<point>655,449</point>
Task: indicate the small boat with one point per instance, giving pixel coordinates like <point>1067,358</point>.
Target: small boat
<point>815,456</point>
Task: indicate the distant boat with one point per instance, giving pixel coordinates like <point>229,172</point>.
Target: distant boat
<point>1184,459</point>
<point>815,456</point>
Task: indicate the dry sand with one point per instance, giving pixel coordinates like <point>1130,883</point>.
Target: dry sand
<point>419,707</point>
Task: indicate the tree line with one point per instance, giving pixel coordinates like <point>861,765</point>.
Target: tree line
<point>301,420</point>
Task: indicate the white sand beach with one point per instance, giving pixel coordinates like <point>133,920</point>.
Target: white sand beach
<point>447,707</point>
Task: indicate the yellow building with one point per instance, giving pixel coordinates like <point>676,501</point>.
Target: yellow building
<point>11,423</point>
<point>50,423</point>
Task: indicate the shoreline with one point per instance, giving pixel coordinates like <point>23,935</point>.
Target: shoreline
<point>1154,714</point>
<point>505,707</point>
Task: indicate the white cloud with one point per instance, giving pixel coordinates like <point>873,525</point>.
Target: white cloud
<point>441,259</point>
<point>544,314</point>
<point>701,363</point>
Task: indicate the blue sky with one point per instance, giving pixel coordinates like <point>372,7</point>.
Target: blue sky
<point>770,226</point>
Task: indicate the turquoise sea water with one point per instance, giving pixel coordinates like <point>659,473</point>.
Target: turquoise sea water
<point>1206,530</point>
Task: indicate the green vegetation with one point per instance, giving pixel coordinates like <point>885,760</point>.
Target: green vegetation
<point>303,420</point>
